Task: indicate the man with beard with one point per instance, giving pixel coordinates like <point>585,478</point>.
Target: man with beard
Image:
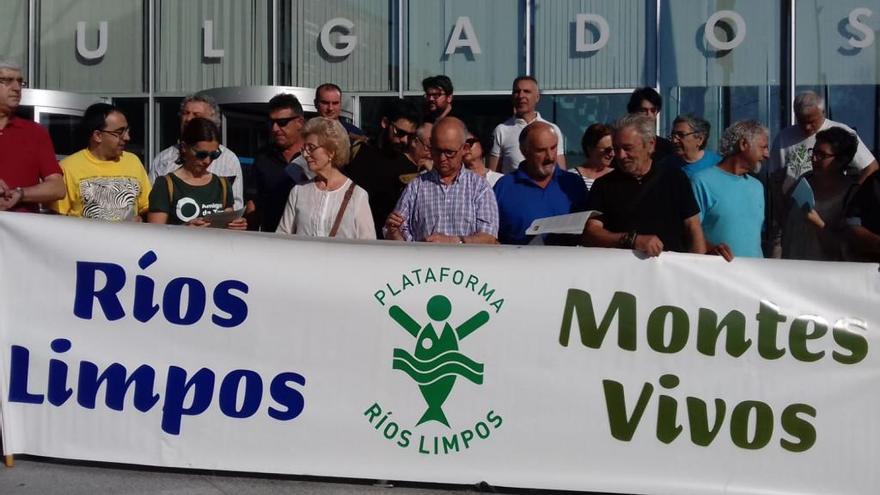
<point>29,172</point>
<point>278,167</point>
<point>731,200</point>
<point>438,97</point>
<point>104,181</point>
<point>383,169</point>
<point>644,206</point>
<point>537,189</point>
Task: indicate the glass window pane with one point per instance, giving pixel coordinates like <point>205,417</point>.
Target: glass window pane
<point>212,43</point>
<point>574,113</point>
<point>607,48</point>
<point>486,39</point>
<point>112,62</point>
<point>13,32</point>
<point>351,43</point>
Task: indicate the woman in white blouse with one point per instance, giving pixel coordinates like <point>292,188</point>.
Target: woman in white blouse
<point>330,205</point>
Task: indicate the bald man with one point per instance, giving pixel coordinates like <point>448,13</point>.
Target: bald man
<point>537,189</point>
<point>450,204</point>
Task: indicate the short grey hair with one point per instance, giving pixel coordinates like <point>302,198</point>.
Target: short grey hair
<point>806,101</point>
<point>744,129</point>
<point>208,100</point>
<point>9,65</point>
<point>645,126</point>
<point>698,125</point>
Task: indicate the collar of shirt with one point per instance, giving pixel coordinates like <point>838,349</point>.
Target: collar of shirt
<point>434,176</point>
<point>525,122</point>
<point>520,175</point>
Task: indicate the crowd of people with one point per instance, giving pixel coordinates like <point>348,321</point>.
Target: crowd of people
<point>811,194</point>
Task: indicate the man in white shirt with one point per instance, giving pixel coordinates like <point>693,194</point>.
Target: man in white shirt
<point>227,165</point>
<point>790,159</point>
<point>505,139</point>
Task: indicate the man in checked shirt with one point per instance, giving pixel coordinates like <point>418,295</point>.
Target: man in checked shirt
<point>450,204</point>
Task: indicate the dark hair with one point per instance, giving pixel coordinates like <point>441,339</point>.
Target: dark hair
<point>286,100</point>
<point>524,78</point>
<point>95,119</point>
<point>844,144</point>
<point>592,135</point>
<point>438,81</point>
<point>326,87</point>
<point>641,94</point>
<point>196,130</point>
<point>397,109</point>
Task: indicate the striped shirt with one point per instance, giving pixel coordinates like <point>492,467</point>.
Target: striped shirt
<point>465,207</point>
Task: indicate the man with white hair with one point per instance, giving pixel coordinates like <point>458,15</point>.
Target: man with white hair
<point>644,206</point>
<point>732,201</point>
<point>29,172</point>
<point>790,153</point>
<point>227,165</point>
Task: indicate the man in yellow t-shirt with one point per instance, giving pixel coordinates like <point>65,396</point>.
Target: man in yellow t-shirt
<point>104,181</point>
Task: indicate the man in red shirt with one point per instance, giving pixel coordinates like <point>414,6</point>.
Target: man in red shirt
<point>29,172</point>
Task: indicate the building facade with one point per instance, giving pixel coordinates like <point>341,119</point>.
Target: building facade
<point>723,59</point>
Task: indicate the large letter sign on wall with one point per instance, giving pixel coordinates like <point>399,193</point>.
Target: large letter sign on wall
<point>469,40</point>
<point>103,42</point>
<point>581,21</point>
<point>347,41</point>
<point>738,38</point>
<point>208,46</point>
<point>865,30</point>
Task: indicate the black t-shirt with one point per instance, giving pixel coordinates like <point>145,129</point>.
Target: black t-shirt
<point>381,173</point>
<point>663,149</point>
<point>657,204</point>
<point>866,204</point>
<point>269,183</point>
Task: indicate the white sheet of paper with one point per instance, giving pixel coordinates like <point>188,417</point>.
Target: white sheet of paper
<point>571,223</point>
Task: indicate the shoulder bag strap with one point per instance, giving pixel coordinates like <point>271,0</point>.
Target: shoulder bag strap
<point>342,207</point>
<point>170,184</point>
<point>223,189</point>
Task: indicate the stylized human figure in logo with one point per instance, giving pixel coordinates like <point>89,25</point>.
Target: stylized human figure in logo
<point>437,361</point>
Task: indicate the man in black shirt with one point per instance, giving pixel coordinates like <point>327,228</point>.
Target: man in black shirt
<point>438,97</point>
<point>645,206</point>
<point>381,169</point>
<point>278,167</point>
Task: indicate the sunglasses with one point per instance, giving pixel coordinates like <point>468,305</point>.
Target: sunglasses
<point>282,122</point>
<point>400,133</point>
<point>818,154</point>
<point>472,141</point>
<point>201,155</point>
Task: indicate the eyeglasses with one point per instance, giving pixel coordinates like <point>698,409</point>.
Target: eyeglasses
<point>434,94</point>
<point>310,149</point>
<point>7,81</point>
<point>282,122</point>
<point>681,135</point>
<point>448,154</point>
<point>401,133</point>
<point>818,154</point>
<point>118,132</point>
<point>201,155</point>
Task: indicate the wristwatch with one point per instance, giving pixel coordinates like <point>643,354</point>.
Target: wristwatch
<point>20,191</point>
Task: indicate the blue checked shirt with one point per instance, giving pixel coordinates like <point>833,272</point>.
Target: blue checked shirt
<point>463,208</point>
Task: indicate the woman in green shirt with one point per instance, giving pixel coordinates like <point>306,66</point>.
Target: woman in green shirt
<point>191,193</point>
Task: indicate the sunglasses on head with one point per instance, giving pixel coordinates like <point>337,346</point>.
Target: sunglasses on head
<point>282,122</point>
<point>201,155</point>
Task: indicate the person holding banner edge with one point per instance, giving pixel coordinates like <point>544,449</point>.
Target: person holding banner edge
<point>646,207</point>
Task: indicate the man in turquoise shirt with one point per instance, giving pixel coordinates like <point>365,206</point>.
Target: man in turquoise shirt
<point>731,200</point>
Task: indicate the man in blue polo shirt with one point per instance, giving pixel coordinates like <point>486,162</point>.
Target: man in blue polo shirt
<point>537,189</point>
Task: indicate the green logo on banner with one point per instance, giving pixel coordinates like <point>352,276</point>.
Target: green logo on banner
<point>437,362</point>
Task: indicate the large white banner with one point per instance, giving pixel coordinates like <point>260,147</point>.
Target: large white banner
<point>556,368</point>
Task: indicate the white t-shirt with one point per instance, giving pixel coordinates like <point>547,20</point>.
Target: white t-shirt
<point>791,150</point>
<point>226,166</point>
<point>505,142</point>
<point>493,176</point>
<point>312,211</point>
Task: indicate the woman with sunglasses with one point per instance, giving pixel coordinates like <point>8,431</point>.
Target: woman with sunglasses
<point>815,227</point>
<point>599,152</point>
<point>190,193</point>
<point>330,205</point>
